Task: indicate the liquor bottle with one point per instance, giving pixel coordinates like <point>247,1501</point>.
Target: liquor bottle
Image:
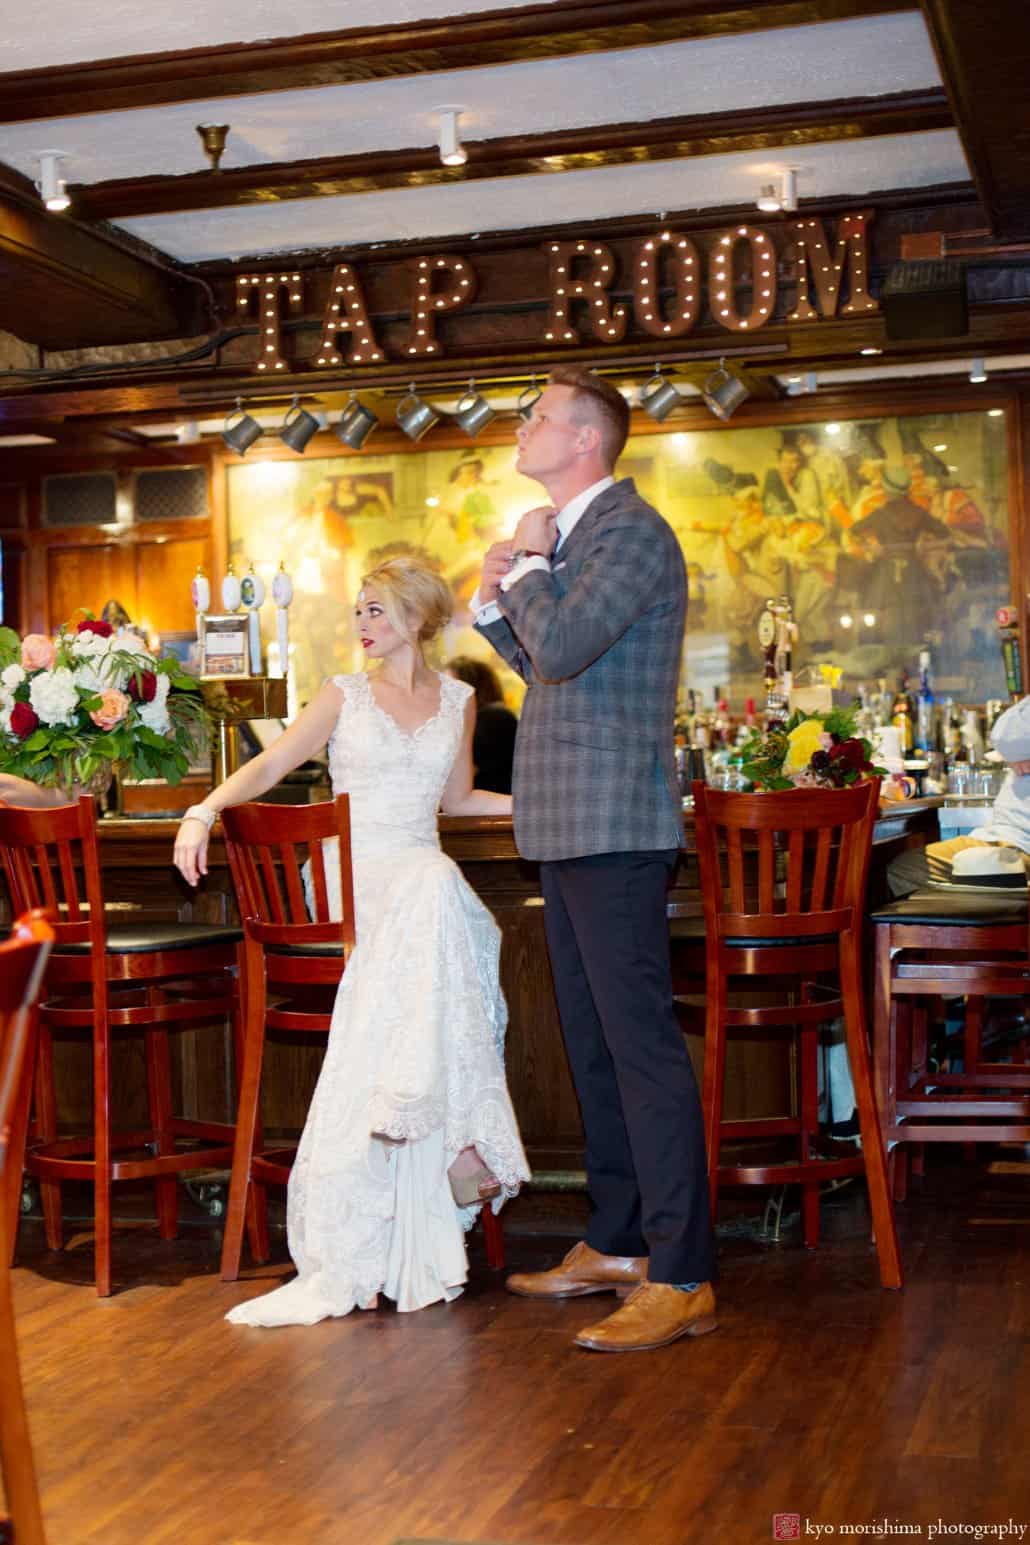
<point>971,736</point>
<point>750,718</point>
<point>721,721</point>
<point>901,717</point>
<point>925,739</point>
<point>952,725</point>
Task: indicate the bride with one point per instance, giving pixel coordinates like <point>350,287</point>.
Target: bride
<point>411,1128</point>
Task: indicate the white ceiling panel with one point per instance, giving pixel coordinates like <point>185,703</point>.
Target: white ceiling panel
<point>825,171</point>
<point>67,31</point>
<point>817,63</point>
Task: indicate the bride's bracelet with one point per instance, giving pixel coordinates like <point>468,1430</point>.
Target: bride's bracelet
<point>200,813</point>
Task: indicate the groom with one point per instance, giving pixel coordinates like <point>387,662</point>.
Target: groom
<point>588,604</point>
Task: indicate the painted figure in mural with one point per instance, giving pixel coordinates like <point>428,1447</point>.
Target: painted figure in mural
<point>902,556</point>
<point>467,503</point>
<point>831,472</point>
<point>411,1129</point>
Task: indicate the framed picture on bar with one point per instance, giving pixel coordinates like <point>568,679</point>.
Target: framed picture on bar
<point>224,649</point>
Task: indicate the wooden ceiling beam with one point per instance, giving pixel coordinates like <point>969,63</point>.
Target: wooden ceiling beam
<point>563,28</point>
<point>782,127</point>
<point>983,48</point>
<point>63,284</point>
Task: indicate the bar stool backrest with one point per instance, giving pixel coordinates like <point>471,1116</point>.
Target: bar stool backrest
<point>268,846</point>
<point>51,859</point>
<point>812,847</point>
<point>22,962</point>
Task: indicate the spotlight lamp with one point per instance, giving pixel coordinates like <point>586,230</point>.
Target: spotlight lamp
<point>978,372</point>
<point>724,392</point>
<point>658,396</point>
<point>298,427</point>
<point>781,194</point>
<point>51,185</point>
<point>239,437</point>
<point>452,151</point>
<point>356,423</point>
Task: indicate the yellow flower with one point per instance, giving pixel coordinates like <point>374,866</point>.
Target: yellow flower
<point>805,738</point>
<point>831,674</point>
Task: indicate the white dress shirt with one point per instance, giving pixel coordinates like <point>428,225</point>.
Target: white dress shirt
<point>569,517</point>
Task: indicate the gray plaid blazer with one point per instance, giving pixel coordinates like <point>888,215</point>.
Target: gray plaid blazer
<point>598,642</point>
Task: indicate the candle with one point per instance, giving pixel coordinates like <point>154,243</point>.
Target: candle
<point>282,595</point>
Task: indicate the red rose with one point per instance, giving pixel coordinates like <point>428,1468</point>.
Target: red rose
<point>143,688</point>
<point>851,753</point>
<point>23,720</point>
<point>101,629</point>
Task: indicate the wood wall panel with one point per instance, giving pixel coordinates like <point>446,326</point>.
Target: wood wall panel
<point>163,574</point>
<point>87,577</point>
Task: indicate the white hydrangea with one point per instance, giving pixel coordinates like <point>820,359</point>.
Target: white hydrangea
<point>53,696</point>
<point>155,715</point>
<point>90,677</point>
<point>12,676</point>
<point>92,645</point>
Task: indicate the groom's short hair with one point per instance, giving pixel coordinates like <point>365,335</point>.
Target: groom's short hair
<point>602,405</point>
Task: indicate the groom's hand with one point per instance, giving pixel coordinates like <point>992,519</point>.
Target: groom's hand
<point>537,531</point>
<point>495,566</point>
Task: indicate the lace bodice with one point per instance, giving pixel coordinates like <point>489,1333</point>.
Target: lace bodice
<point>395,779</point>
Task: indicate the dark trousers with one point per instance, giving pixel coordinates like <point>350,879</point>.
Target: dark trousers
<point>608,940</point>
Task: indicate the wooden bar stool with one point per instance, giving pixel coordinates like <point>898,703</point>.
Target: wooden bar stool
<point>140,976</point>
<point>22,961</point>
<point>946,942</point>
<point>800,930</point>
<point>293,961</point>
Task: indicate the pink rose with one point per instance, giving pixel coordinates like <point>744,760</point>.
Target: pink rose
<point>114,705</point>
<point>37,652</point>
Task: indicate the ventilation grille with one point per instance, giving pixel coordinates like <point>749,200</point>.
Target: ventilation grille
<point>171,493</point>
<point>79,499</point>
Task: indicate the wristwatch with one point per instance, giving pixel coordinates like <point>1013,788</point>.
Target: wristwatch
<point>527,552</point>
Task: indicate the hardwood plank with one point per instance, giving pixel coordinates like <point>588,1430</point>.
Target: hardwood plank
<point>613,144</point>
<point>569,27</point>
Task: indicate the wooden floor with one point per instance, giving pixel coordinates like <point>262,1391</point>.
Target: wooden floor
<point>820,1395</point>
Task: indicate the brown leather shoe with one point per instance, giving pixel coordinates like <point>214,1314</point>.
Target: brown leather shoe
<point>582,1271</point>
<point>653,1315</point>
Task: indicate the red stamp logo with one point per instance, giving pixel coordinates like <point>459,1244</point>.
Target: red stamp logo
<point>786,1526</point>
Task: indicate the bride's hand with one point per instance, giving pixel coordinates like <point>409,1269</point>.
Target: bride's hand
<point>191,842</point>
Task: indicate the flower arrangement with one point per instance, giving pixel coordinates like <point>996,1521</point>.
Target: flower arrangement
<point>810,750</point>
<point>75,707</point>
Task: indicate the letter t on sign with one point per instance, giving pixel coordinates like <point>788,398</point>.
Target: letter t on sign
<point>439,284</point>
<point>267,290</point>
<point>595,271</point>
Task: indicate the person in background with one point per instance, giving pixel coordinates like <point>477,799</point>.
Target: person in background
<point>1009,824</point>
<point>493,741</point>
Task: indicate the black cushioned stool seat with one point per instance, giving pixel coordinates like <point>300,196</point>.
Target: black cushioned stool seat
<point>143,937</point>
<point>956,907</point>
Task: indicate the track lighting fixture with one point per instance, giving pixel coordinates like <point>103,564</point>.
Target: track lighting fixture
<point>452,151</point>
<point>51,184</point>
<point>781,194</point>
<point>239,437</point>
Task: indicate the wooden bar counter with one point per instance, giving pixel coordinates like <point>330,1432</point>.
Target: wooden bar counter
<point>139,877</point>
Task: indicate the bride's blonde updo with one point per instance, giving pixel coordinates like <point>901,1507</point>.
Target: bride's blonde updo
<point>416,600</point>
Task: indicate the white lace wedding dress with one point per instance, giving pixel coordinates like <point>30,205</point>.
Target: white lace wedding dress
<point>414,1069</point>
